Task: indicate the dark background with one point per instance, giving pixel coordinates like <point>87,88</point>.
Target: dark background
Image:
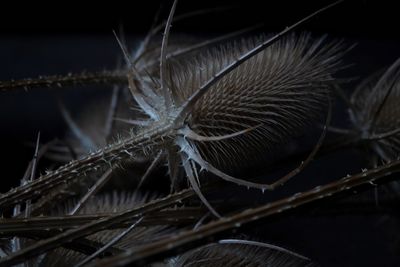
<point>61,37</point>
<point>358,18</point>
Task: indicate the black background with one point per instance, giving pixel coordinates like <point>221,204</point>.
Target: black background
<point>61,37</point>
<point>359,18</point>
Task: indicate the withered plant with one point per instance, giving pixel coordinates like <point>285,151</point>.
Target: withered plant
<point>206,112</point>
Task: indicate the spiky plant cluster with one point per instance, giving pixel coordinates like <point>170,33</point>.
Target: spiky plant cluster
<point>258,104</point>
<point>207,110</point>
<point>238,99</point>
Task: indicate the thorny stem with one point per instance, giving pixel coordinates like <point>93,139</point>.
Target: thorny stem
<point>104,77</point>
<point>24,226</point>
<point>202,234</point>
<point>121,150</point>
<point>85,78</point>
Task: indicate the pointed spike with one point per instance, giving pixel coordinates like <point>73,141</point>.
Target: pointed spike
<point>150,169</point>
<point>163,57</point>
<point>134,122</point>
<point>124,51</point>
<point>85,140</point>
<point>192,180</point>
<point>189,133</point>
